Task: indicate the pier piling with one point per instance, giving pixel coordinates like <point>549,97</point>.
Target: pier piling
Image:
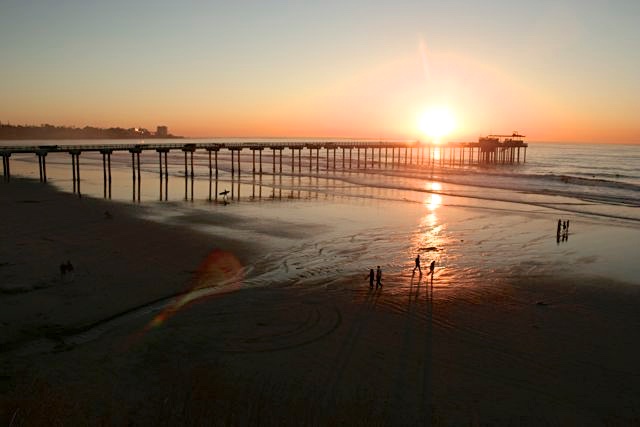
<point>135,169</point>
<point>327,150</point>
<point>188,149</point>
<point>5,166</point>
<point>75,166</point>
<point>273,154</point>
<point>42,165</point>
<point>104,174</point>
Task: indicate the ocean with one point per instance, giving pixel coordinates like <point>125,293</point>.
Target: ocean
<point>599,179</point>
<point>321,228</point>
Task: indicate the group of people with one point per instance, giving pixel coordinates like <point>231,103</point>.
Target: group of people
<point>432,266</point>
<point>563,230</point>
<point>377,274</point>
<point>378,277</point>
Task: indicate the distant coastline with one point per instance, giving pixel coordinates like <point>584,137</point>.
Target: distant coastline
<point>20,132</point>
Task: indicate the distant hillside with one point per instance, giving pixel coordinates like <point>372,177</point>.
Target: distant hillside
<point>87,132</point>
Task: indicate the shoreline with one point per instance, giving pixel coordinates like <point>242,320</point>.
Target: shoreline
<point>546,348</point>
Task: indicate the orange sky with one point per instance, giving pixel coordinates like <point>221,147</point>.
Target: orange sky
<point>344,69</point>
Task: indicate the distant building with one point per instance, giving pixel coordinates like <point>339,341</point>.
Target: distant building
<point>162,131</point>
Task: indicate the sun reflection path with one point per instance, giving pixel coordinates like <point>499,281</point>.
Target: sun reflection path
<point>431,241</point>
<point>434,200</point>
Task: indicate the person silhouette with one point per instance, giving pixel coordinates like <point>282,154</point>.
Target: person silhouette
<point>378,277</point>
<point>66,269</point>
<point>371,276</point>
<point>417,265</point>
<point>432,267</point>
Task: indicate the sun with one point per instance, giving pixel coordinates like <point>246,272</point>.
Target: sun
<point>437,123</point>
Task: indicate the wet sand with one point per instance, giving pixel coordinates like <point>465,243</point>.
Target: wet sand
<point>527,349</point>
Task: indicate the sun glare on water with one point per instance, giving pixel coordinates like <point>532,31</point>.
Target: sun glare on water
<point>437,123</point>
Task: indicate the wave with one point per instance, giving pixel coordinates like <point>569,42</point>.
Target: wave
<point>586,189</point>
<point>595,182</point>
<point>615,175</point>
<point>578,208</point>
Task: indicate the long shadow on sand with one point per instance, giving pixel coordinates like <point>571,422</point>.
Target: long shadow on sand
<point>418,336</point>
<point>346,352</point>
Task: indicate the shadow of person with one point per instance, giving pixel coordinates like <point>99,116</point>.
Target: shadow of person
<point>418,283</point>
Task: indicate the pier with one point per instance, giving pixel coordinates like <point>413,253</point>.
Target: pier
<point>320,157</point>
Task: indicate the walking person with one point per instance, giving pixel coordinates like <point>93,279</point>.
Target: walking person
<point>432,267</point>
<point>371,276</point>
<point>417,265</point>
<point>378,277</point>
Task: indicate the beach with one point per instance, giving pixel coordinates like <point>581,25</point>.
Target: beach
<point>166,320</point>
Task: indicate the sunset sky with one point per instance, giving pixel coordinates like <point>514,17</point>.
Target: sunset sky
<point>553,70</point>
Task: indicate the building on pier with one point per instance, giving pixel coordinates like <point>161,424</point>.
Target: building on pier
<point>501,148</point>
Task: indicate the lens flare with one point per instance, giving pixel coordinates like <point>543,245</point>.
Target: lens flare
<point>220,271</point>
